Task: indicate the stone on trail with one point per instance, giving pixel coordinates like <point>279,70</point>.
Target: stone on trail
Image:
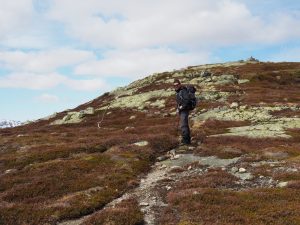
<point>162,158</point>
<point>234,169</point>
<point>144,204</point>
<point>141,143</point>
<point>244,176</point>
<point>242,170</point>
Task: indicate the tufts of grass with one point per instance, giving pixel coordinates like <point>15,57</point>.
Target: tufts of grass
<point>126,212</point>
<point>162,143</point>
<point>211,206</point>
<point>21,214</point>
<point>215,178</point>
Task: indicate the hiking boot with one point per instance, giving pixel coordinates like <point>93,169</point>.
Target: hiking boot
<point>183,147</point>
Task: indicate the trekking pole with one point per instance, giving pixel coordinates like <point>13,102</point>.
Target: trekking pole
<point>100,122</point>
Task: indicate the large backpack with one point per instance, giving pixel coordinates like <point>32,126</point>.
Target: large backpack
<point>188,98</point>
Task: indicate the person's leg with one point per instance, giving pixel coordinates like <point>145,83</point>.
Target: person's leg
<point>184,125</point>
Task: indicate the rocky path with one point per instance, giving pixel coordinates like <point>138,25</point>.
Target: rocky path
<point>155,185</point>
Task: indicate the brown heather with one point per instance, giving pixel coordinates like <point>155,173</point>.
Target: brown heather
<point>54,173</point>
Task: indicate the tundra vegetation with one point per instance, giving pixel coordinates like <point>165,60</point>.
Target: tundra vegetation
<point>65,167</point>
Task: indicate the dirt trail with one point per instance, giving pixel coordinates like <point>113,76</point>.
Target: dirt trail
<point>153,188</point>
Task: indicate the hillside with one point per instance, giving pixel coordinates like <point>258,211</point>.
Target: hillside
<point>243,166</point>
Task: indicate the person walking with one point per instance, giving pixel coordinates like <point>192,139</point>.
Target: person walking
<point>186,101</point>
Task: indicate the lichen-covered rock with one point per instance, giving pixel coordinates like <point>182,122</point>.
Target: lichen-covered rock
<point>71,117</point>
<point>271,129</point>
<point>213,96</point>
<point>241,114</point>
<point>224,79</point>
<point>88,111</point>
<point>140,101</point>
<point>74,117</point>
<point>264,124</point>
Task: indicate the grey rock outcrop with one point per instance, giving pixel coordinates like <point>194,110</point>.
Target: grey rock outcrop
<point>74,117</point>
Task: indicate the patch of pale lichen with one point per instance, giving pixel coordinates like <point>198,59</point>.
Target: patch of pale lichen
<point>264,124</point>
<point>275,128</point>
<point>140,101</point>
<point>242,113</point>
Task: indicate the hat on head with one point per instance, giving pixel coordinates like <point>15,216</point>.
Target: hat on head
<point>176,81</point>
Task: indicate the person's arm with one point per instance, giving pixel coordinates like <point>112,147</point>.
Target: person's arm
<point>178,101</point>
<point>183,95</point>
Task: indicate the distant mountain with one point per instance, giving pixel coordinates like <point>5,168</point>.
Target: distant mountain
<point>9,123</point>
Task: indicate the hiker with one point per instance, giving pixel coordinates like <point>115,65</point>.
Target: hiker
<point>186,101</point>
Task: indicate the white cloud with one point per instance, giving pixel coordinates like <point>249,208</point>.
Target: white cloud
<point>43,61</point>
<point>87,85</point>
<point>46,81</point>
<point>139,63</point>
<point>22,27</point>
<point>31,80</point>
<point>142,37</point>
<point>15,16</point>
<point>135,24</point>
<point>48,98</point>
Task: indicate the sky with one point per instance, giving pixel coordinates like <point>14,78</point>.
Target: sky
<point>58,54</point>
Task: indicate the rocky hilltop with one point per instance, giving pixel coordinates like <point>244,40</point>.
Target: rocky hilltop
<point>116,159</point>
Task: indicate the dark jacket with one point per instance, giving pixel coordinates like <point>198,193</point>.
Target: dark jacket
<point>181,94</point>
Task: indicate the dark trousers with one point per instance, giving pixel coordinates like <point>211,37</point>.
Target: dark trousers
<point>184,126</point>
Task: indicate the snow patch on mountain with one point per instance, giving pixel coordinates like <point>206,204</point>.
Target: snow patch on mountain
<point>9,123</point>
